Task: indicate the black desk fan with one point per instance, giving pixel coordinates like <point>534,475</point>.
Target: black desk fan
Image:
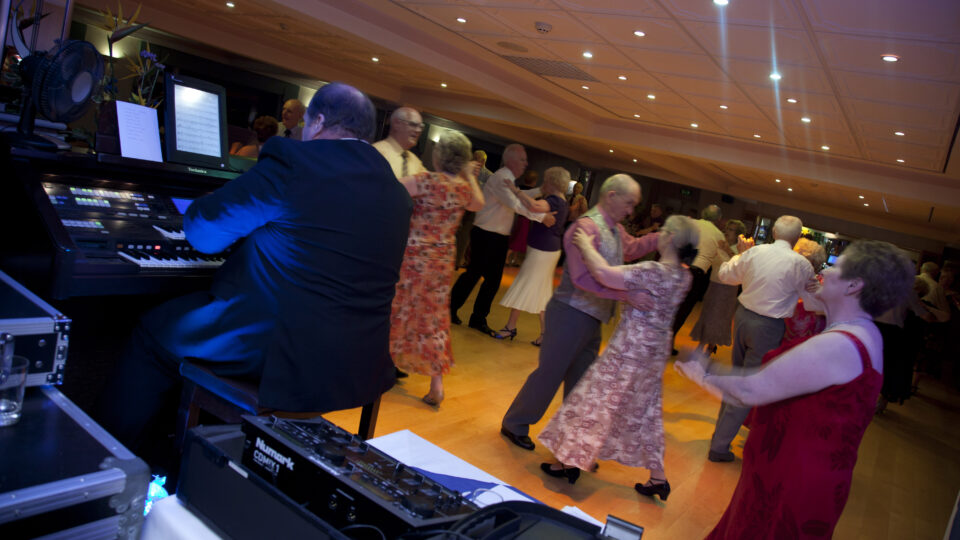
<point>57,83</point>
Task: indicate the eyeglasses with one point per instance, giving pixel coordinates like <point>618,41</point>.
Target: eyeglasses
<point>414,125</point>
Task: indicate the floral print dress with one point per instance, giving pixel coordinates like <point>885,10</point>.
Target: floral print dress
<point>616,410</point>
<point>420,318</point>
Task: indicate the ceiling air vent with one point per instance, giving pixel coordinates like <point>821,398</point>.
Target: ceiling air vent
<point>551,68</point>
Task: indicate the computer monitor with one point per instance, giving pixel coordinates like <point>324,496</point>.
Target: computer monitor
<point>832,260</point>
<point>196,122</point>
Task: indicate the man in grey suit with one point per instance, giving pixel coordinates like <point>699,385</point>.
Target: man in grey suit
<point>773,277</point>
<point>579,307</point>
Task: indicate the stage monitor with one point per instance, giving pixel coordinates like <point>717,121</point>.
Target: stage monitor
<point>196,122</point>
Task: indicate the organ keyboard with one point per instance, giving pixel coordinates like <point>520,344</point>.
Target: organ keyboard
<point>106,228</point>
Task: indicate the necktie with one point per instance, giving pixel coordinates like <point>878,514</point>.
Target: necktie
<point>403,168</point>
<point>287,132</point>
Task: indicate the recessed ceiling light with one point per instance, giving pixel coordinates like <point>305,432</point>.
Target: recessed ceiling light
<point>585,87</point>
<point>806,120</point>
<point>861,196</point>
<point>756,135</point>
<point>461,20</point>
<point>891,58</point>
<point>777,180</point>
<point>866,204</point>
<point>587,54</point>
<point>789,189</point>
<point>724,107</point>
<point>694,125</point>
<point>634,160</point>
<point>639,33</point>
<point>636,116</point>
<point>611,150</point>
<point>231,4</point>
<point>899,161</point>
<point>899,133</point>
<point>775,76</point>
<point>791,100</point>
<point>443,84</point>
<point>721,2</point>
<point>824,147</point>
<point>651,96</point>
<point>375,59</point>
<point>622,77</point>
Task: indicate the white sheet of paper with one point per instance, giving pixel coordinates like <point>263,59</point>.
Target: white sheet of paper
<point>139,132</point>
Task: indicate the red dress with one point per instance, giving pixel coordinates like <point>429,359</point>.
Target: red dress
<point>420,318</point>
<point>798,461</point>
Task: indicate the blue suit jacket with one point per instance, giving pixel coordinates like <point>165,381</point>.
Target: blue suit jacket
<point>304,299</point>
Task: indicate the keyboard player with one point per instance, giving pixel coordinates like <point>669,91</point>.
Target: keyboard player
<point>303,303</point>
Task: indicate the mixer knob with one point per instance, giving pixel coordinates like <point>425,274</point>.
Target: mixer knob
<point>419,504</point>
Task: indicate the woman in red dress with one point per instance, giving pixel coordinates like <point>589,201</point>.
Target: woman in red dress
<point>420,318</point>
<point>813,404</point>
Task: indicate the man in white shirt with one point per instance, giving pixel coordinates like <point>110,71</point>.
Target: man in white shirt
<point>773,277</point>
<point>290,118</point>
<point>708,256</point>
<point>489,239</point>
<point>406,125</point>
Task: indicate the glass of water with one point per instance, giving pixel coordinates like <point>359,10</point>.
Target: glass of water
<point>13,380</point>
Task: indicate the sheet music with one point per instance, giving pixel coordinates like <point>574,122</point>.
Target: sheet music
<point>197,120</point>
<point>139,132</point>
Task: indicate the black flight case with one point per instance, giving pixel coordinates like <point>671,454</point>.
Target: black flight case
<point>64,476</point>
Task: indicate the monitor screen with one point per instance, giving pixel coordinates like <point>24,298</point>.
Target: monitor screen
<point>196,123</point>
<point>832,259</point>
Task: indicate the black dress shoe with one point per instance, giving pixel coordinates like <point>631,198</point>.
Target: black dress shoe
<point>522,441</point>
<point>720,457</point>
<point>401,374</point>
<point>571,473</point>
<point>482,327</point>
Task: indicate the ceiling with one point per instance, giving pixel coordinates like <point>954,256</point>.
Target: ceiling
<point>696,64</point>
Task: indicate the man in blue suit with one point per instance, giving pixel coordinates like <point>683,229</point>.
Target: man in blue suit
<point>302,304</point>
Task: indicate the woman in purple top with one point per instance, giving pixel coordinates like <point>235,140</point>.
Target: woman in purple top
<point>533,286</point>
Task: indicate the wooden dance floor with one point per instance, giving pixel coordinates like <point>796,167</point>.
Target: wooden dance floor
<point>905,483</point>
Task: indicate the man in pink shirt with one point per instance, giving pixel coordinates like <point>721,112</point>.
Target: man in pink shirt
<point>579,307</point>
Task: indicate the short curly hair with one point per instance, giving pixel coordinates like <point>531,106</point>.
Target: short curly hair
<point>812,252</point>
<point>886,272</point>
<point>452,152</point>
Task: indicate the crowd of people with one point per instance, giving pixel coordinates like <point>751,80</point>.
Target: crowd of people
<point>325,308</point>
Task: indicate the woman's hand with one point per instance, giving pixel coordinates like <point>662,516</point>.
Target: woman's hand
<point>583,239</point>
<point>744,243</point>
<point>511,186</point>
<point>471,170</point>
<point>695,369</point>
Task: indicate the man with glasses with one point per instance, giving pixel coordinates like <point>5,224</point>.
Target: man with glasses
<point>405,129</point>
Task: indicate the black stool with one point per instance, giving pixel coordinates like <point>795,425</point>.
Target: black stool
<point>228,399</point>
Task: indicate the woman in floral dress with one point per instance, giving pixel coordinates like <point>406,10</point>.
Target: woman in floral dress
<point>420,320</point>
<point>616,410</point>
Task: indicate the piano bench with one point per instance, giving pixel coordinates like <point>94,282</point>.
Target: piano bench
<point>228,399</point>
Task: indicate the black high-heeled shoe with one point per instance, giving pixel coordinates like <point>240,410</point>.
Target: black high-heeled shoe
<point>651,488</point>
<point>505,333</point>
<point>571,474</point>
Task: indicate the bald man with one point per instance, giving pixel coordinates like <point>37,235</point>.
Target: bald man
<point>290,118</point>
<point>406,125</point>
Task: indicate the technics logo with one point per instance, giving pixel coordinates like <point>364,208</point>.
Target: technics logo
<point>262,446</point>
<point>199,171</point>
